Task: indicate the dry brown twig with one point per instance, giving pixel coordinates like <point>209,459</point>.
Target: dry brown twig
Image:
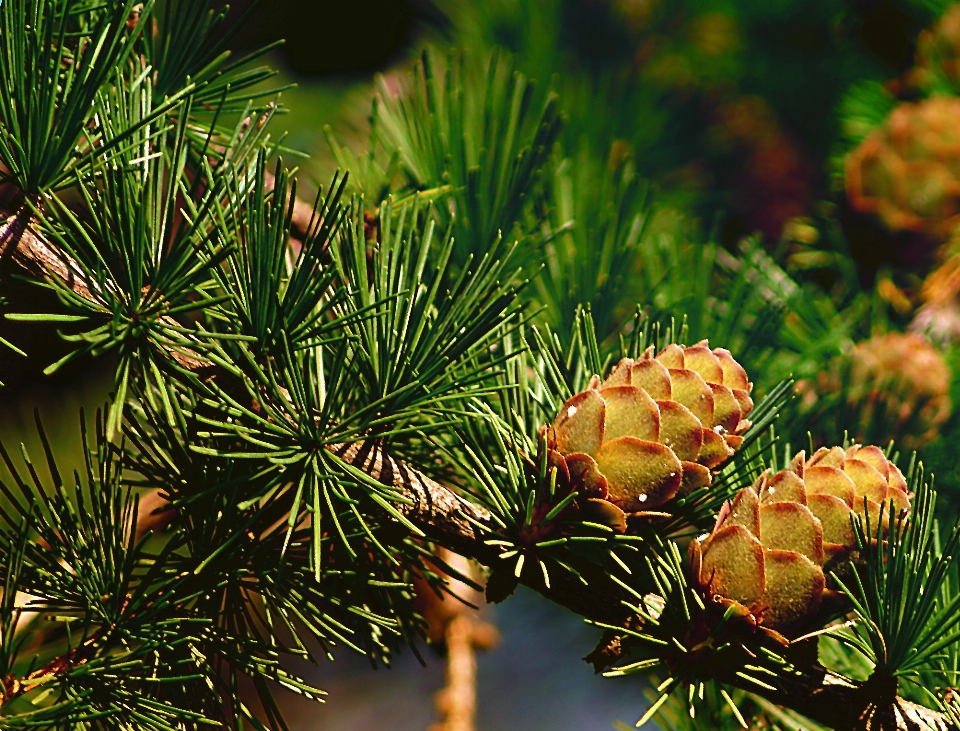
<point>458,627</point>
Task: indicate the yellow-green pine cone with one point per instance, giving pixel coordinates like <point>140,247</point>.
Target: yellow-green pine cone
<point>768,548</point>
<point>654,428</point>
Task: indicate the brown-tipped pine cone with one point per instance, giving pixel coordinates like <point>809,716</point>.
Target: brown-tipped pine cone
<point>904,380</point>
<point>654,428</point>
<point>892,386</point>
<point>907,171</point>
<point>768,548</point>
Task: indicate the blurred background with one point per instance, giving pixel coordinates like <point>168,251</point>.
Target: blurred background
<point>809,148</point>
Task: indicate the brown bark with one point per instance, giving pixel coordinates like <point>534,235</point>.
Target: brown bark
<point>460,525</point>
<point>838,703</point>
<point>462,632</point>
<point>457,701</point>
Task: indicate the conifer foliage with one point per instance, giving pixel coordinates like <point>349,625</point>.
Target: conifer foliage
<point>307,407</point>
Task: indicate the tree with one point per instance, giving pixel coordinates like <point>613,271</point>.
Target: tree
<point>309,402</point>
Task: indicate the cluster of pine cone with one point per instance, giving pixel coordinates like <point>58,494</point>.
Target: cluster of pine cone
<point>661,426</point>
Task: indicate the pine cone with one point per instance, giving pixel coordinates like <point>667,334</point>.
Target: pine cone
<point>893,386</point>
<point>654,428</point>
<point>906,171</point>
<point>767,551</point>
<point>938,322</point>
<point>904,381</point>
<point>938,318</point>
<point>938,49</point>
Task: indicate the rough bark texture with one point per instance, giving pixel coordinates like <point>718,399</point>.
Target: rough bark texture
<point>834,701</point>
<point>457,523</point>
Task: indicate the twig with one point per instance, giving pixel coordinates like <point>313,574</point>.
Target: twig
<point>463,633</point>
<point>457,701</point>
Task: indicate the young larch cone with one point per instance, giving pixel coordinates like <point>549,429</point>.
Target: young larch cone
<point>904,380</point>
<point>938,48</point>
<point>892,386</point>
<point>907,171</point>
<point>654,428</point>
<point>770,543</point>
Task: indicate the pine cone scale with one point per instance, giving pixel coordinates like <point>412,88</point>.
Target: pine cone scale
<point>794,588</point>
<point>680,430</point>
<point>690,390</point>
<point>580,426</point>
<point>639,473</point>
<point>733,566</point>
<point>630,412</point>
<point>791,527</point>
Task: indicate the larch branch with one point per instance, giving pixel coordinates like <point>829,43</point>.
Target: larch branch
<point>461,525</point>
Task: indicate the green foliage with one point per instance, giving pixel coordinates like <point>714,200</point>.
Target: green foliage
<point>654,77</point>
<point>863,108</point>
<point>55,58</point>
<point>903,628</point>
<point>724,708</point>
<point>429,341</point>
<point>478,132</point>
<point>361,600</point>
<point>189,46</point>
<point>127,614</point>
<point>585,53</point>
<point>258,221</point>
<point>596,220</point>
<point>142,262</point>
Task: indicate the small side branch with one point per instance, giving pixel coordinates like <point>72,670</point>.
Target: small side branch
<point>15,687</point>
<point>836,702</point>
<point>457,624</point>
